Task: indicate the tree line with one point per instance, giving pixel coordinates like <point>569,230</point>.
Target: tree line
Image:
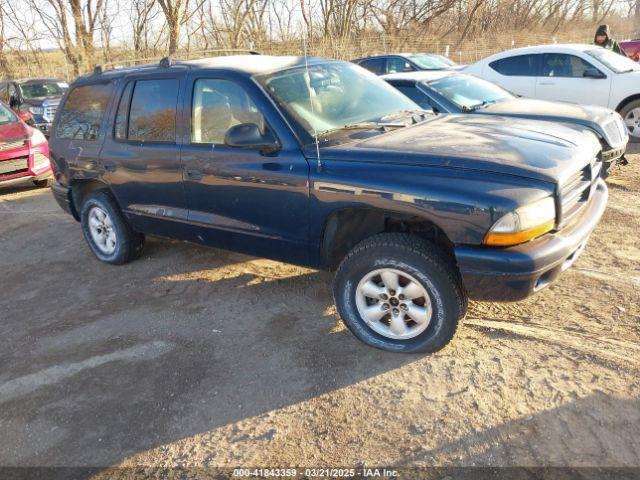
<point>88,32</point>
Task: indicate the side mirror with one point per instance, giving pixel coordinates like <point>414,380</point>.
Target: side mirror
<point>14,102</point>
<point>248,136</point>
<point>592,72</point>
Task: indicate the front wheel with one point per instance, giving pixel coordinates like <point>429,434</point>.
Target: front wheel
<point>631,115</point>
<point>106,231</point>
<point>397,292</point>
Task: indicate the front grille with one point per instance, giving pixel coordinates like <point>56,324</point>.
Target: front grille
<point>14,166</point>
<point>50,112</point>
<point>576,191</point>
<point>12,144</point>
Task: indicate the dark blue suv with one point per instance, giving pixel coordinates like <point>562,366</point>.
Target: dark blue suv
<point>321,163</point>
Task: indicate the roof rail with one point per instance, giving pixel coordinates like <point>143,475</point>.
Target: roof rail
<point>216,50</point>
<point>166,61</point>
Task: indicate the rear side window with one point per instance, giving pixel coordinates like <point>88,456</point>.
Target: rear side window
<point>152,115</point>
<point>375,65</point>
<point>518,66</point>
<point>83,111</point>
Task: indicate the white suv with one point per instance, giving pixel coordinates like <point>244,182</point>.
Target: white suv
<point>570,73</point>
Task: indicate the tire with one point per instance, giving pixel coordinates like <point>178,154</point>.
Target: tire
<point>106,231</point>
<point>632,110</point>
<point>43,183</point>
<point>416,261</point>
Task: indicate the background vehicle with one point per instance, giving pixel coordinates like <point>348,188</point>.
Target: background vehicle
<point>583,74</point>
<point>323,164</point>
<point>38,97</point>
<point>632,49</point>
<point>455,92</point>
<point>24,152</point>
<point>405,62</point>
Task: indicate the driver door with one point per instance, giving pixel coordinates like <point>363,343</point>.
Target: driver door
<point>242,199</point>
<point>562,79</point>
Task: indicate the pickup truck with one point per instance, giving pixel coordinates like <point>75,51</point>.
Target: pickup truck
<point>632,49</point>
<point>321,163</point>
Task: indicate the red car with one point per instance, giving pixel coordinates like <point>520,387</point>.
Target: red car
<point>24,152</point>
<point>632,49</point>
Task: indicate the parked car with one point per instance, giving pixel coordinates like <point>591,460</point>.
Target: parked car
<point>35,97</point>
<point>323,164</point>
<point>405,62</point>
<point>24,152</point>
<point>632,49</point>
<point>454,92</point>
<point>583,74</point>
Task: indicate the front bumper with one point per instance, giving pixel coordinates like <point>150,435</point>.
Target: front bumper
<point>514,273</point>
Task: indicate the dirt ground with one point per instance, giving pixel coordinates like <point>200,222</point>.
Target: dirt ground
<point>200,357</point>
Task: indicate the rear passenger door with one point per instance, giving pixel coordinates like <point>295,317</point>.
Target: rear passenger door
<point>243,200</point>
<point>516,74</point>
<point>141,155</point>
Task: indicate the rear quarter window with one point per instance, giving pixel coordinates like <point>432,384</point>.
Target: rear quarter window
<point>518,66</point>
<point>83,112</point>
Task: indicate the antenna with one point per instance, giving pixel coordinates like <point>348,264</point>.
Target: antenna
<point>315,133</point>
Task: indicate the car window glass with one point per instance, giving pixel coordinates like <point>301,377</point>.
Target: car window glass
<point>6,115</point>
<point>520,65</point>
<point>217,106</point>
<point>375,65</point>
<point>397,64</point>
<point>152,116</point>
<point>83,112</point>
<point>431,62</point>
<point>563,65</point>
<point>416,95</point>
<point>120,128</point>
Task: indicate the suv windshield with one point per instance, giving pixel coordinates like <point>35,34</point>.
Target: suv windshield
<point>614,62</point>
<point>6,115</point>
<point>44,89</point>
<point>433,62</point>
<point>469,92</point>
<point>331,96</point>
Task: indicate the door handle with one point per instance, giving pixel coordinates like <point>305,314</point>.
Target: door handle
<point>193,174</point>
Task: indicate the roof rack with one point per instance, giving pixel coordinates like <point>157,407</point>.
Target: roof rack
<point>166,61</point>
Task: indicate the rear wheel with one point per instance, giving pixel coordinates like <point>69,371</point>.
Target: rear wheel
<point>400,293</point>
<point>106,231</point>
<point>631,115</point>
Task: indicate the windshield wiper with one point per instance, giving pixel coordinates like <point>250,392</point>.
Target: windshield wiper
<point>401,113</point>
<point>478,106</point>
<point>361,126</point>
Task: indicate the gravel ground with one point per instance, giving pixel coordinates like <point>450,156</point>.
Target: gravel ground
<point>200,357</point>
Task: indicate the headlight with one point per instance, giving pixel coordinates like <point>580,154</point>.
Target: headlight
<point>37,137</point>
<point>37,110</point>
<point>523,224</point>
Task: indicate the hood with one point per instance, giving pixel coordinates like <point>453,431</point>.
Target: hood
<point>13,131</point>
<point>525,148</point>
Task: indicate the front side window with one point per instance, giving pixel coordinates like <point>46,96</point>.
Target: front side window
<point>397,64</point>
<point>416,95</point>
<point>43,89</point>
<point>217,106</point>
<point>468,92</point>
<point>375,65</point>
<point>332,95</point>
<point>518,66</point>
<point>152,115</point>
<point>563,65</point>
<point>83,111</point>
